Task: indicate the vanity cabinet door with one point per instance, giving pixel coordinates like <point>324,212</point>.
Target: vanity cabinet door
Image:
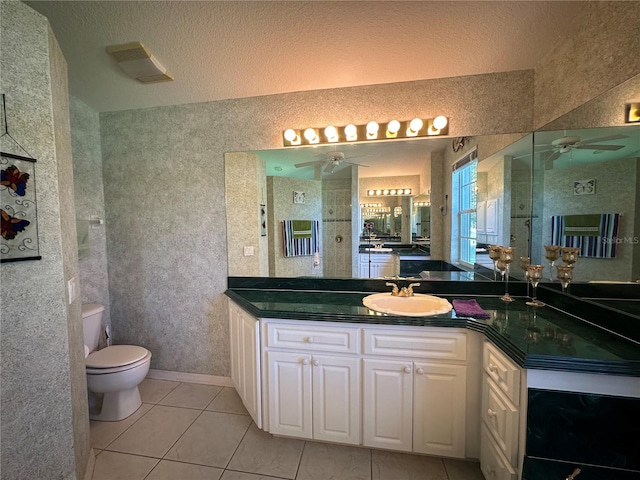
<point>336,398</point>
<point>245,360</point>
<point>387,404</point>
<point>289,394</point>
<point>439,409</point>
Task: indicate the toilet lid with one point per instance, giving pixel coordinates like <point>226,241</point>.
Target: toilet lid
<point>116,355</point>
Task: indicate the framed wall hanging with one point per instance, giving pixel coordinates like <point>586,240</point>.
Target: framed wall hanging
<point>18,209</point>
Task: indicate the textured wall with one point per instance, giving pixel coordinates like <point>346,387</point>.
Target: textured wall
<point>44,417</point>
<point>164,194</point>
<point>281,207</point>
<point>89,200</point>
<point>245,191</point>
<point>615,185</point>
<point>588,60</point>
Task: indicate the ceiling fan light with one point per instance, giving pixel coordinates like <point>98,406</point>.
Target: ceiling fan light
<point>351,132</point>
<point>331,133</point>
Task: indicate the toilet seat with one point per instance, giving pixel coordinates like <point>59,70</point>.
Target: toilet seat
<point>116,358</point>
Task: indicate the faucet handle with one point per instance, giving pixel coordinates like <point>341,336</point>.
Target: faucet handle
<point>395,287</point>
<point>410,287</point>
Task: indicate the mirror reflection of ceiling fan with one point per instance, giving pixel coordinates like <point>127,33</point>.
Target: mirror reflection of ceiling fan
<point>331,161</point>
<point>567,144</point>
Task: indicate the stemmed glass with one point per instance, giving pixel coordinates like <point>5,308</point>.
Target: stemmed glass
<point>535,273</point>
<point>552,252</point>
<point>570,255</point>
<point>565,275</point>
<point>506,256</point>
<point>494,254</point>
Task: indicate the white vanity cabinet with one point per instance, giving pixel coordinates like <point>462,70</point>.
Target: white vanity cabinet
<point>313,381</point>
<point>501,402</point>
<point>245,360</point>
<point>382,265</point>
<point>414,390</point>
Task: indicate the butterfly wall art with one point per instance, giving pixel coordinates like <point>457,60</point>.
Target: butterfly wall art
<point>18,213</point>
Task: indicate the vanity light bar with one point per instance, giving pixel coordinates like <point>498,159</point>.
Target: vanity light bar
<point>421,204</point>
<point>416,127</point>
<point>386,192</point>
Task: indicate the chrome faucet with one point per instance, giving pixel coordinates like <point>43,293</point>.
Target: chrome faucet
<point>404,291</point>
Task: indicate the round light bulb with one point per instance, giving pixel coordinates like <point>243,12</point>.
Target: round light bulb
<point>440,122</point>
<point>331,133</point>
<point>393,192</point>
<point>290,135</point>
<point>407,191</point>
<point>393,126</point>
<point>371,192</point>
<point>378,192</point>
<point>351,132</point>
<point>415,125</point>
<point>385,192</point>
<point>311,135</point>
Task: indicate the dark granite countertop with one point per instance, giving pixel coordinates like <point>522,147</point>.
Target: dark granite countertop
<point>537,338</point>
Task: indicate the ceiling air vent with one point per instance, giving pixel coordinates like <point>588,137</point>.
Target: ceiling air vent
<point>138,62</point>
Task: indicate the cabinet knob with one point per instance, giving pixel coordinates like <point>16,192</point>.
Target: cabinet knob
<point>407,369</point>
<point>305,361</point>
<point>420,371</point>
<point>309,339</point>
<point>316,363</point>
<point>491,413</point>
<point>493,368</point>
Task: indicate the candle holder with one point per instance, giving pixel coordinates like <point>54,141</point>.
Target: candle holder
<point>551,253</point>
<point>535,273</point>
<point>565,275</point>
<point>570,255</point>
<point>494,254</point>
<point>506,256</point>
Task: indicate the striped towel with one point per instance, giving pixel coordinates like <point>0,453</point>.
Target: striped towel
<point>600,245</point>
<point>306,244</point>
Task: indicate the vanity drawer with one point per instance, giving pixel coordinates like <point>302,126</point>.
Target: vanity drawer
<point>443,344</point>
<point>502,371</point>
<point>501,418</point>
<point>492,463</point>
<point>312,338</point>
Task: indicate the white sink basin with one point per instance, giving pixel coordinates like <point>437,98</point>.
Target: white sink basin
<point>419,305</point>
<point>379,250</point>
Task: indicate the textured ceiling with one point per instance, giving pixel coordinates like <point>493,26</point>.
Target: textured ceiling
<point>224,49</point>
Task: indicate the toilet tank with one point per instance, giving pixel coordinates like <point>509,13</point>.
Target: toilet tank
<point>92,324</point>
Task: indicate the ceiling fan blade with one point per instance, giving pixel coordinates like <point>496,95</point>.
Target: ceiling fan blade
<point>542,148</point>
<point>553,156</point>
<point>599,147</point>
<point>330,167</point>
<point>306,164</point>
<point>604,139</point>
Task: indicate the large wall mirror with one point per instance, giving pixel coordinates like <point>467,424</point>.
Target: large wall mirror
<point>584,164</point>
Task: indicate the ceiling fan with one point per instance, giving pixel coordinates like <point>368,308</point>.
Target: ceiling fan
<point>567,144</point>
<point>331,161</point>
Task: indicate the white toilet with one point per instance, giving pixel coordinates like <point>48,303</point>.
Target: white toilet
<point>114,371</point>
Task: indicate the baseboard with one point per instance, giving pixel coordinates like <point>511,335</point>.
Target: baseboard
<point>190,377</point>
<point>91,463</point>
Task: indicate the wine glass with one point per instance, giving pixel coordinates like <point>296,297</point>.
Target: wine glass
<point>570,255</point>
<point>565,275</point>
<point>535,273</point>
<point>524,263</point>
<point>506,256</point>
<point>551,253</point>
<point>494,254</point>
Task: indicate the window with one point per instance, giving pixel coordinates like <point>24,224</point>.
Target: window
<point>464,210</point>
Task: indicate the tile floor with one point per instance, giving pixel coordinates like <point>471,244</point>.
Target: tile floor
<point>186,431</point>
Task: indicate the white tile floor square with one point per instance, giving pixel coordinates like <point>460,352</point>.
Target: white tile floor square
<point>186,431</point>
